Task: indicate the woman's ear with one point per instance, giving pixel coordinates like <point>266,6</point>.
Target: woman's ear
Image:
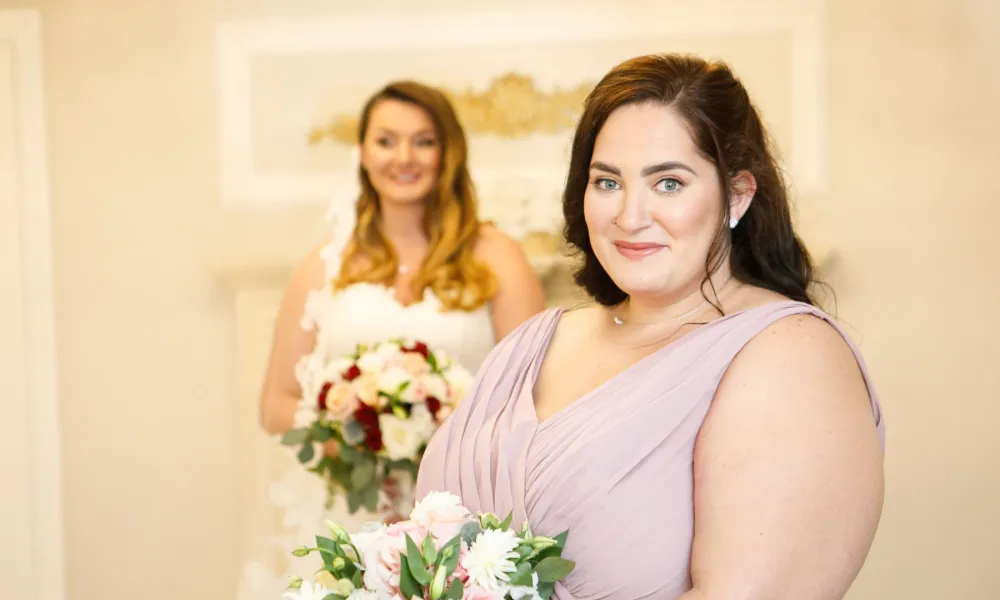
<point>742,188</point>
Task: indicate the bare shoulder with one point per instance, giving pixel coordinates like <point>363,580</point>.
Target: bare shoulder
<point>800,367</point>
<point>495,246</point>
<point>574,328</point>
<point>788,467</point>
<point>311,270</point>
<point>801,347</point>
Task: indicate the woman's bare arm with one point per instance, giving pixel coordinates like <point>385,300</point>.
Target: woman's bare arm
<point>519,291</point>
<point>281,392</point>
<point>788,471</point>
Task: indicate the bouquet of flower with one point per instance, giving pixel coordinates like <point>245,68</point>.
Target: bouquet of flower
<point>379,406</point>
<point>441,552</point>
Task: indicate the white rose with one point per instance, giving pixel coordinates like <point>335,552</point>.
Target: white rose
<point>434,385</point>
<point>369,595</point>
<point>370,542</point>
<point>366,388</point>
<point>305,416</point>
<point>335,368</point>
<point>390,352</point>
<point>371,362</point>
<point>423,420</point>
<point>459,381</point>
<point>442,514</point>
<point>368,537</point>
<point>390,379</point>
<point>401,437</point>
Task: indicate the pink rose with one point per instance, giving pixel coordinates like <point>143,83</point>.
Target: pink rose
<point>382,562</point>
<point>341,402</point>
<point>366,389</point>
<point>442,513</point>
<point>460,572</point>
<point>414,364</point>
<point>478,593</point>
<point>443,413</point>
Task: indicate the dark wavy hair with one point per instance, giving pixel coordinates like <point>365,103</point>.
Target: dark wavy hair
<point>763,249</point>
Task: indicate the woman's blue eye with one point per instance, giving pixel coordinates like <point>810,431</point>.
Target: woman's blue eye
<point>668,185</point>
<point>605,184</point>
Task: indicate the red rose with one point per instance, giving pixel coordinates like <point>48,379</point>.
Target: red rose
<point>367,416</point>
<point>419,348</point>
<point>373,439</point>
<point>322,395</point>
<point>352,373</point>
<point>433,405</point>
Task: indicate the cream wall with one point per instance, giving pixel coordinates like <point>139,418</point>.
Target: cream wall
<point>151,412</point>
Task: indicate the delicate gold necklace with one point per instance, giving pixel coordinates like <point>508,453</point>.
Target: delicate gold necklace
<point>621,321</point>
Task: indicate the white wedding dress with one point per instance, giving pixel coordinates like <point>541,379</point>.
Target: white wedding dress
<point>361,313</point>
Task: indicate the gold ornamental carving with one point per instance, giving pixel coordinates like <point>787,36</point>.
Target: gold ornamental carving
<point>511,107</point>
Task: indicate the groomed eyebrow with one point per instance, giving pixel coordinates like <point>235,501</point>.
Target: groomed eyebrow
<point>386,131</point>
<point>669,165</point>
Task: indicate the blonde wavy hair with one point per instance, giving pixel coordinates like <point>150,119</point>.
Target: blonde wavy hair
<point>451,221</point>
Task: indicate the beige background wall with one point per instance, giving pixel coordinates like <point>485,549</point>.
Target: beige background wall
<point>152,416</point>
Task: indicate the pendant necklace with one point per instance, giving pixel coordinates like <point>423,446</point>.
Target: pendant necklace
<point>618,320</point>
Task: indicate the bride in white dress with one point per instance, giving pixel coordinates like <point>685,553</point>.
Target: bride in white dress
<point>407,259</point>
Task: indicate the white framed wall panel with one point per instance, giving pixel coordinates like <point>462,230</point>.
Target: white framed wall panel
<point>244,185</point>
<point>31,557</point>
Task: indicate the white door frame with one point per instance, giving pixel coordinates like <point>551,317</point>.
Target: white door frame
<point>29,392</point>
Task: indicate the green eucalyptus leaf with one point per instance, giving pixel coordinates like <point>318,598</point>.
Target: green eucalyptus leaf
<point>524,551</point>
<point>351,455</point>
<point>322,434</point>
<point>369,498</point>
<point>353,502</point>
<point>553,552</point>
<point>362,475</point>
<point>561,538</point>
<point>552,569</point>
<point>416,562</point>
<point>295,437</point>
<point>430,551</point>
<point>470,530</point>
<point>307,453</point>
<point>449,560</point>
<point>545,590</point>
<point>407,584</point>
<point>456,591</point>
<point>330,547</point>
<point>522,576</point>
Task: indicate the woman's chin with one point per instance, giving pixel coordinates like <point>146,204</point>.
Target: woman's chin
<point>406,195</point>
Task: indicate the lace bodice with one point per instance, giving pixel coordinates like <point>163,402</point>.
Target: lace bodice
<point>370,313</point>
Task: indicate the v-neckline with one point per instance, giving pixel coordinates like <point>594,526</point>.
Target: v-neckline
<point>543,348</point>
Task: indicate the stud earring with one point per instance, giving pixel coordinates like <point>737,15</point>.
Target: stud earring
<point>614,221</point>
<point>733,222</point>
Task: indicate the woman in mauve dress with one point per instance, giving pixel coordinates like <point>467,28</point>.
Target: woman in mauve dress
<point>704,431</point>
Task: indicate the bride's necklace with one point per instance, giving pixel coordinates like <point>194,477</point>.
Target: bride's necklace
<point>619,320</point>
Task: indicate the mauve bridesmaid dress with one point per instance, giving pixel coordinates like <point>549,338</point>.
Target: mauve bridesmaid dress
<point>614,467</point>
